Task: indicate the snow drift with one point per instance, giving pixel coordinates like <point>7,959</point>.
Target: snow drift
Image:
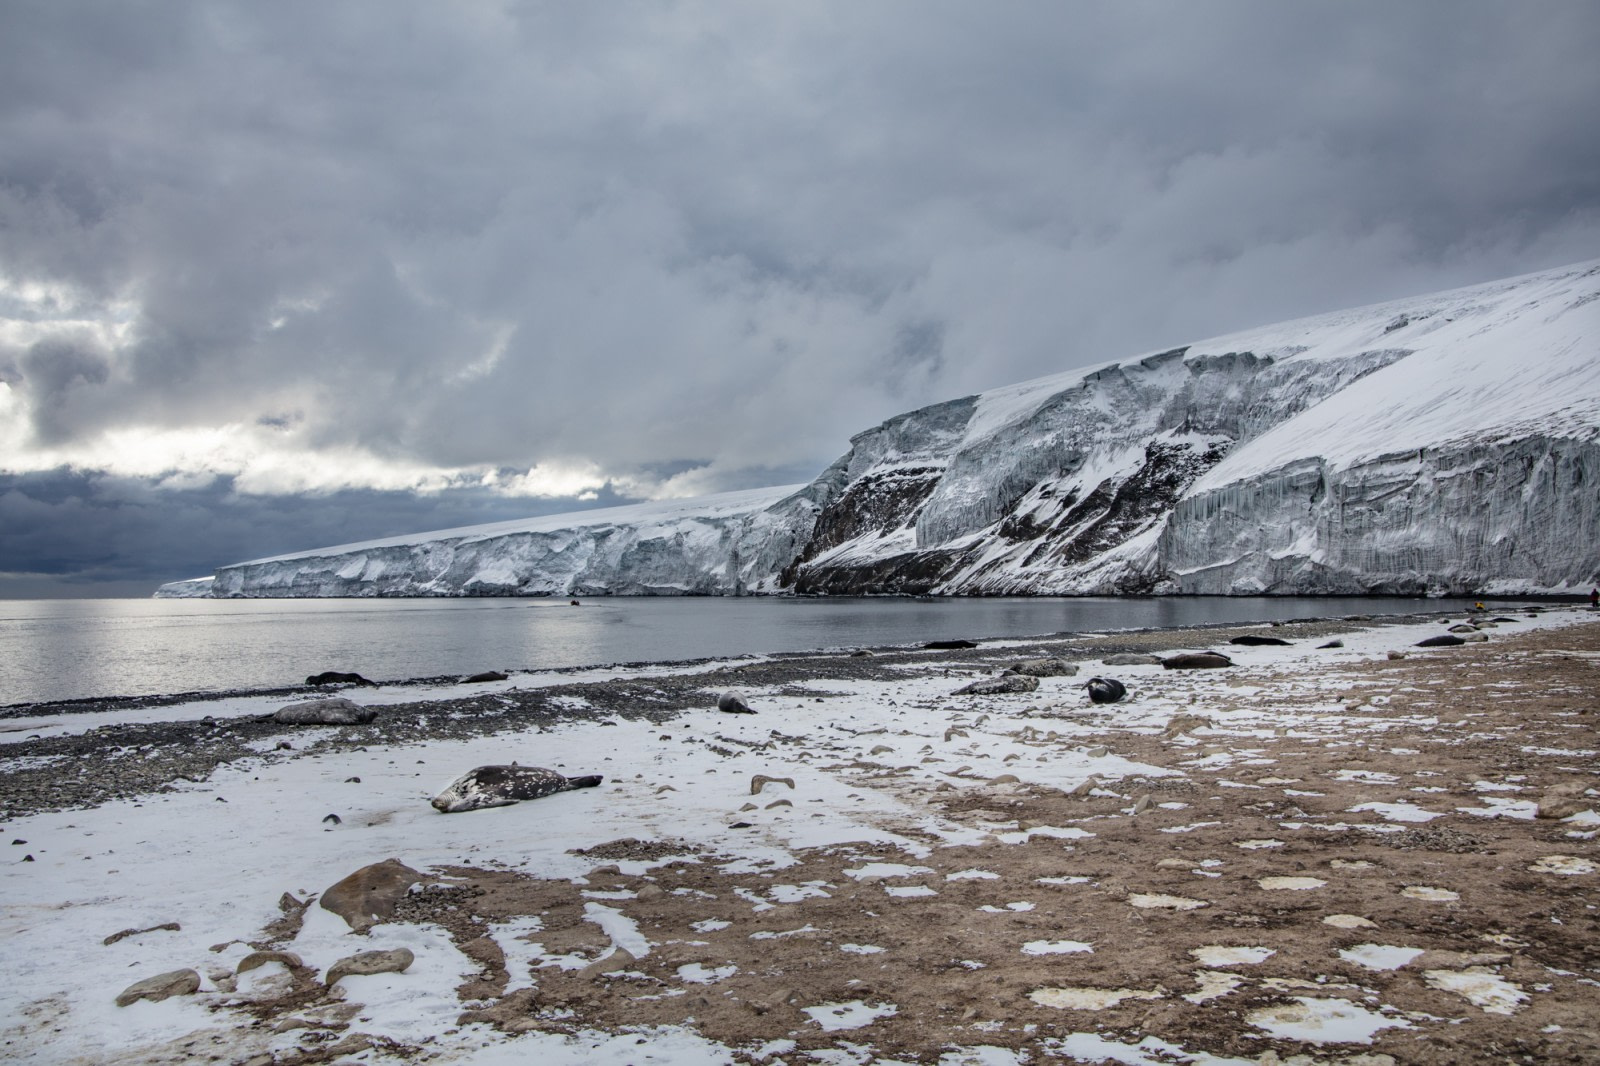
<point>1443,444</point>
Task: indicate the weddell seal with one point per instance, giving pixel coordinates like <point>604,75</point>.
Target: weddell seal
<point>734,701</point>
<point>501,786</point>
<point>1105,689</point>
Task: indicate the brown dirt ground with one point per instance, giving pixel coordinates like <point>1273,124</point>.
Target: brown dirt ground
<point>1440,720</point>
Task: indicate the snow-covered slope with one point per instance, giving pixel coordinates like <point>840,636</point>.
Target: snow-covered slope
<point>1443,443</point>
<point>674,547</point>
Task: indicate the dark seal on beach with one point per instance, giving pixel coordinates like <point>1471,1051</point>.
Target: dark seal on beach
<point>1251,640</point>
<point>1196,660</point>
<point>1105,690</point>
<point>334,677</point>
<point>950,645</point>
<point>501,786</point>
<point>1443,640</point>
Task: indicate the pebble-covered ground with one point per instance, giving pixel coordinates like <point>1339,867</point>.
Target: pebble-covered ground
<point>1368,854</point>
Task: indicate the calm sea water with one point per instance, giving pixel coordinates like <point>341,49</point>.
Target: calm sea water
<point>72,649</point>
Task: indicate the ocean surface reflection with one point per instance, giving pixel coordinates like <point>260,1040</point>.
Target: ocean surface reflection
<point>73,649</point>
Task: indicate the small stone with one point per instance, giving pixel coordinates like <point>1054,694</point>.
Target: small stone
<point>160,987</point>
<point>257,959</point>
<point>170,927</point>
<point>1187,723</point>
<point>395,960</point>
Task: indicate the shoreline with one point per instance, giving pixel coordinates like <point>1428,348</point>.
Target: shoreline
<point>717,917</point>
<point>88,704</point>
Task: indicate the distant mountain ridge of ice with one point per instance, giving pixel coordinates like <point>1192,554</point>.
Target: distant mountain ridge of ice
<point>1447,443</point>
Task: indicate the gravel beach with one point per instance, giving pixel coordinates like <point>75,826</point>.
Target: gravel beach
<point>1366,853</point>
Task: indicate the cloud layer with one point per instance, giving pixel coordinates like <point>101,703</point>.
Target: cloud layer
<point>552,251</point>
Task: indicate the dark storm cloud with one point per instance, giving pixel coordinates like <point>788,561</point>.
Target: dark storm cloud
<point>66,531</point>
<point>721,237</point>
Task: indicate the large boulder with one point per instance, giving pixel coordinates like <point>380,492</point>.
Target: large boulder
<point>332,711</point>
<point>160,987</point>
<point>371,894</point>
<point>395,960</point>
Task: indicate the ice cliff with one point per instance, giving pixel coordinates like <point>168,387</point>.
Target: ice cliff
<point>1438,444</point>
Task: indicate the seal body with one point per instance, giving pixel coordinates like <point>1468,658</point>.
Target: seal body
<point>996,686</point>
<point>1253,640</point>
<point>501,786</point>
<point>1443,640</point>
<point>335,677</point>
<point>1196,660</point>
<point>331,711</point>
<point>1105,690</point>
<point>733,701</point>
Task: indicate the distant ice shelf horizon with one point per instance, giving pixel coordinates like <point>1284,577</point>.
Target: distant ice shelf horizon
<point>1446,444</point>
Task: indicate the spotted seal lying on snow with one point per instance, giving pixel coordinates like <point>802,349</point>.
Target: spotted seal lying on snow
<point>501,786</point>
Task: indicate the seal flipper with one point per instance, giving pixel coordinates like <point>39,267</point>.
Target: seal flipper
<point>585,782</point>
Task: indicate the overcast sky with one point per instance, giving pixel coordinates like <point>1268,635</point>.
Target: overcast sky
<point>279,275</point>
